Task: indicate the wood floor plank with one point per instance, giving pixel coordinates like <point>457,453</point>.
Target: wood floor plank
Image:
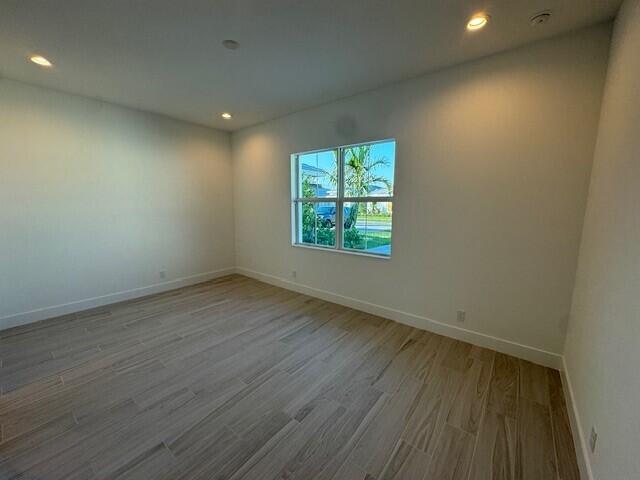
<point>248,445</point>
<point>348,444</point>
<point>494,457</point>
<point>504,387</point>
<point>279,459</point>
<point>378,442</point>
<point>457,356</point>
<point>92,431</point>
<point>399,368</point>
<point>150,464</point>
<point>452,457</point>
<point>264,450</point>
<point>468,403</point>
<point>236,379</point>
<point>483,354</point>
<point>11,447</point>
<point>535,456</point>
<point>350,471</point>
<point>434,402</point>
<point>315,459</point>
<point>198,462</point>
<point>406,462</point>
<point>428,357</point>
<point>353,380</point>
<point>534,384</point>
<point>565,449</point>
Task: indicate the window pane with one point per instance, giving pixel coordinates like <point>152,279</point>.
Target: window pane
<point>368,170</point>
<point>367,227</point>
<point>318,174</point>
<point>317,223</point>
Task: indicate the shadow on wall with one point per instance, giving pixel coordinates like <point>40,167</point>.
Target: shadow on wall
<point>346,127</point>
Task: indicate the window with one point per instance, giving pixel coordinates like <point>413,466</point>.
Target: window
<point>343,198</point>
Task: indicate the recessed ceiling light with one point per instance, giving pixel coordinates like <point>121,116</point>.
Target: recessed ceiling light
<point>227,116</point>
<point>230,44</point>
<point>40,60</point>
<point>478,21</point>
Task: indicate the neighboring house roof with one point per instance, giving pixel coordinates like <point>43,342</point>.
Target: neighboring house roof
<point>313,171</point>
<point>375,190</point>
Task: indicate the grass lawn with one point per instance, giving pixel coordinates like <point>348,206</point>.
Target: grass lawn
<point>379,217</point>
<point>377,239</point>
<point>372,240</point>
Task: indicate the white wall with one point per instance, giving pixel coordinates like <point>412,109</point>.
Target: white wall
<point>603,341</point>
<point>97,199</point>
<point>493,164</point>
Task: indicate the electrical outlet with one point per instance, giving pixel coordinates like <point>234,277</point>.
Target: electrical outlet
<point>294,274</point>
<point>162,274</point>
<point>593,438</point>
<point>461,315</point>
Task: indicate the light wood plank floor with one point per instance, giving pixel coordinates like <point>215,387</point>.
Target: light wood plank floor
<point>237,379</point>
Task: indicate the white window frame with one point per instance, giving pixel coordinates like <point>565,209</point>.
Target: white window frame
<point>339,200</point>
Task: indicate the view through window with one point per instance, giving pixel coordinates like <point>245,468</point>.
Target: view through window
<point>343,198</point>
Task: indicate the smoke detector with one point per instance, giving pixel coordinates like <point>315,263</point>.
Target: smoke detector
<point>540,18</point>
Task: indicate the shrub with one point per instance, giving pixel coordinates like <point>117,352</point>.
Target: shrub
<point>352,238</point>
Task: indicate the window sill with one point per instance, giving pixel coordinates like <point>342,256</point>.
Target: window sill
<point>347,252</point>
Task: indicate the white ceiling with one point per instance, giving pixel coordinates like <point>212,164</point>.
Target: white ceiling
<point>166,56</point>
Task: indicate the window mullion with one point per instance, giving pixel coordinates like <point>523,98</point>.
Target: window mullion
<point>316,199</point>
<point>297,224</point>
<point>340,201</point>
<point>368,199</point>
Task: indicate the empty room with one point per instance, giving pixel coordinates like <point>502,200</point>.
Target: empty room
<point>320,239</point>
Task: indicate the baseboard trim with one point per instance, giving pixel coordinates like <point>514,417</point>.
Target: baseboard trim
<point>36,315</point>
<point>579,438</point>
<point>533,354</point>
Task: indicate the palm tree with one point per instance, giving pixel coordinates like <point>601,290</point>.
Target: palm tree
<point>360,179</point>
<point>360,176</point>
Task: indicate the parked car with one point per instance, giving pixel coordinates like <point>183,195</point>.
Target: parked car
<point>327,215</point>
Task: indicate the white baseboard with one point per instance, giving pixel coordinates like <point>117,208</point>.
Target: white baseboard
<point>536,355</point>
<point>579,438</point>
<point>79,305</point>
<point>526,352</point>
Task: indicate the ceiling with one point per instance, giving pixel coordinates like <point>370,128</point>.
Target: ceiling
<point>166,56</point>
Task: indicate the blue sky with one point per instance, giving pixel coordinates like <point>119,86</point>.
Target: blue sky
<point>325,160</point>
<point>387,149</point>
